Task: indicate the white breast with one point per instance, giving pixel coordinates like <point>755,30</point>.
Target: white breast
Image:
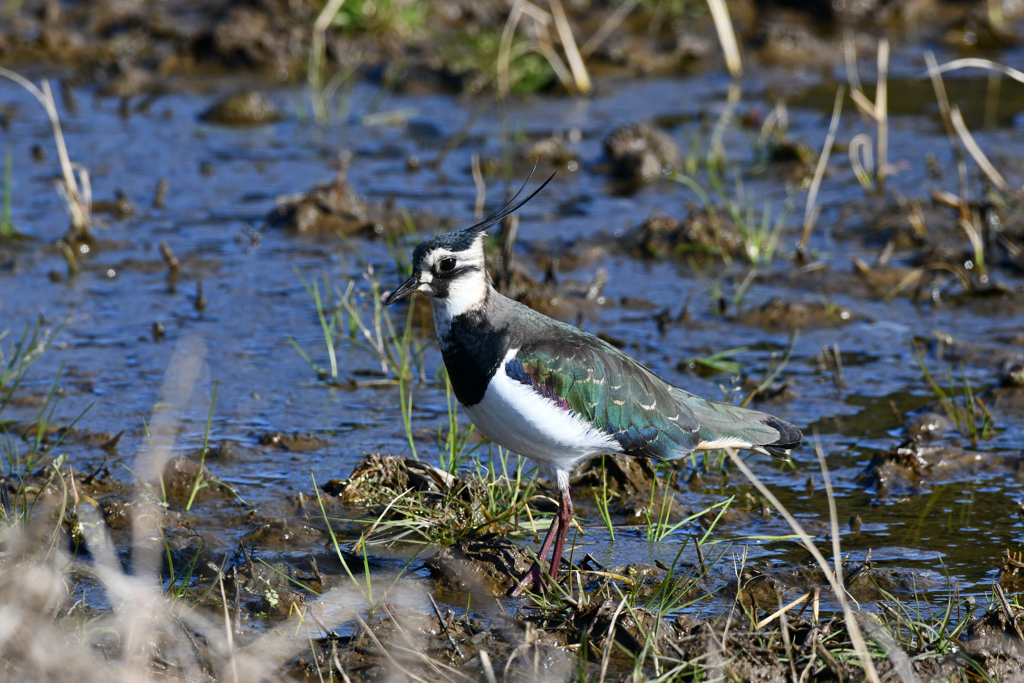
<point>516,417</point>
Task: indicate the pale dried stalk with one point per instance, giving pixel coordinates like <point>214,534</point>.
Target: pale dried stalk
<point>610,24</point>
<point>882,109</point>
<point>862,158</point>
<point>481,187</point>
<point>505,47</point>
<point>978,63</point>
<point>975,151</point>
<point>579,71</point>
<point>548,52</point>
<point>947,121</point>
<point>835,579</point>
<point>809,213</point>
<point>782,610</point>
<point>726,36</point>
<point>79,202</point>
<point>317,54</point>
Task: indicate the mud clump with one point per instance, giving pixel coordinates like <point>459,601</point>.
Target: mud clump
<point>336,208</point>
<point>786,315</point>
<point>623,475</point>
<point>377,476</point>
<point>179,478</point>
<point>281,534</point>
<point>331,208</point>
<point>1013,374</point>
<point>247,108</point>
<point>634,629</point>
<point>639,152</point>
<point>554,150</point>
<point>906,469</point>
<point>994,641</point>
<point>485,566</point>
<point>662,236</point>
<point>295,441</point>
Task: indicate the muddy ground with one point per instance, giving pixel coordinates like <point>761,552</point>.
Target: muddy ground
<point>195,487</point>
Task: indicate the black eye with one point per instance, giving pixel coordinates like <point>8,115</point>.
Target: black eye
<point>446,264</point>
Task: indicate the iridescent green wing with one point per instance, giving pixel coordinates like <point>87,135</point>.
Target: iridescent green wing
<point>610,391</point>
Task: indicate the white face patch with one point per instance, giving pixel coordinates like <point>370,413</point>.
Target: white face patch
<point>465,292</point>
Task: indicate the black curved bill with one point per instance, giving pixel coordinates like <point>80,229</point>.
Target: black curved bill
<point>407,288</point>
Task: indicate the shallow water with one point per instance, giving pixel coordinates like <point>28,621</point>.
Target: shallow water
<point>114,369</point>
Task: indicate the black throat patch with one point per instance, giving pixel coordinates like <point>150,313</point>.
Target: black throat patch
<point>473,349</point>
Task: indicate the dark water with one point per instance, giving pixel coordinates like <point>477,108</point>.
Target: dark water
<point>960,522</point>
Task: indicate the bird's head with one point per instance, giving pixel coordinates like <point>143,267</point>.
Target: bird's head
<point>450,268</point>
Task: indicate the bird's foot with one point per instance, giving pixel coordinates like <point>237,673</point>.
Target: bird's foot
<point>532,579</point>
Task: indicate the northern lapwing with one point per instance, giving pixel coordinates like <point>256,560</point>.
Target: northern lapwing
<point>555,394</point>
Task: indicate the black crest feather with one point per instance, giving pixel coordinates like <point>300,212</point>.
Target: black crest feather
<point>511,207</point>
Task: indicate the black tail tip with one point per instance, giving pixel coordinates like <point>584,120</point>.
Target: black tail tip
<point>789,438</point>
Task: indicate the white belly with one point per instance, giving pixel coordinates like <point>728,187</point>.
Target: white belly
<point>516,417</point>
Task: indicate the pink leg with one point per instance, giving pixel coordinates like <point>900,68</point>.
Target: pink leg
<point>565,513</point>
<point>556,532</point>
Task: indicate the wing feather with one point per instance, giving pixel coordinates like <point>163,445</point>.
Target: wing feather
<point>611,392</point>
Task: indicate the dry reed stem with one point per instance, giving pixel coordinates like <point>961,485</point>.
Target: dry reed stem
<point>947,121</point>
<point>810,213</point>
<point>505,47</point>
<point>610,24</point>
<point>975,151</point>
<point>317,54</point>
<point>834,579</point>
<point>609,640</point>
<point>79,202</point>
<point>782,610</point>
<point>853,77</point>
<point>578,80</point>
<point>548,52</point>
<point>862,159</point>
<point>579,71</point>
<point>726,36</point>
<point>882,110</point>
<point>485,664</point>
<point>481,187</point>
<point>977,63</point>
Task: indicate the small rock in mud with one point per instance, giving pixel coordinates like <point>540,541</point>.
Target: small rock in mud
<point>641,152</point>
<point>779,314</point>
<point>242,109</point>
<point>484,566</point>
<point>624,475</point>
<point>661,236</point>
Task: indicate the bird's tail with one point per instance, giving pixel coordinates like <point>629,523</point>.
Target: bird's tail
<point>727,425</point>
